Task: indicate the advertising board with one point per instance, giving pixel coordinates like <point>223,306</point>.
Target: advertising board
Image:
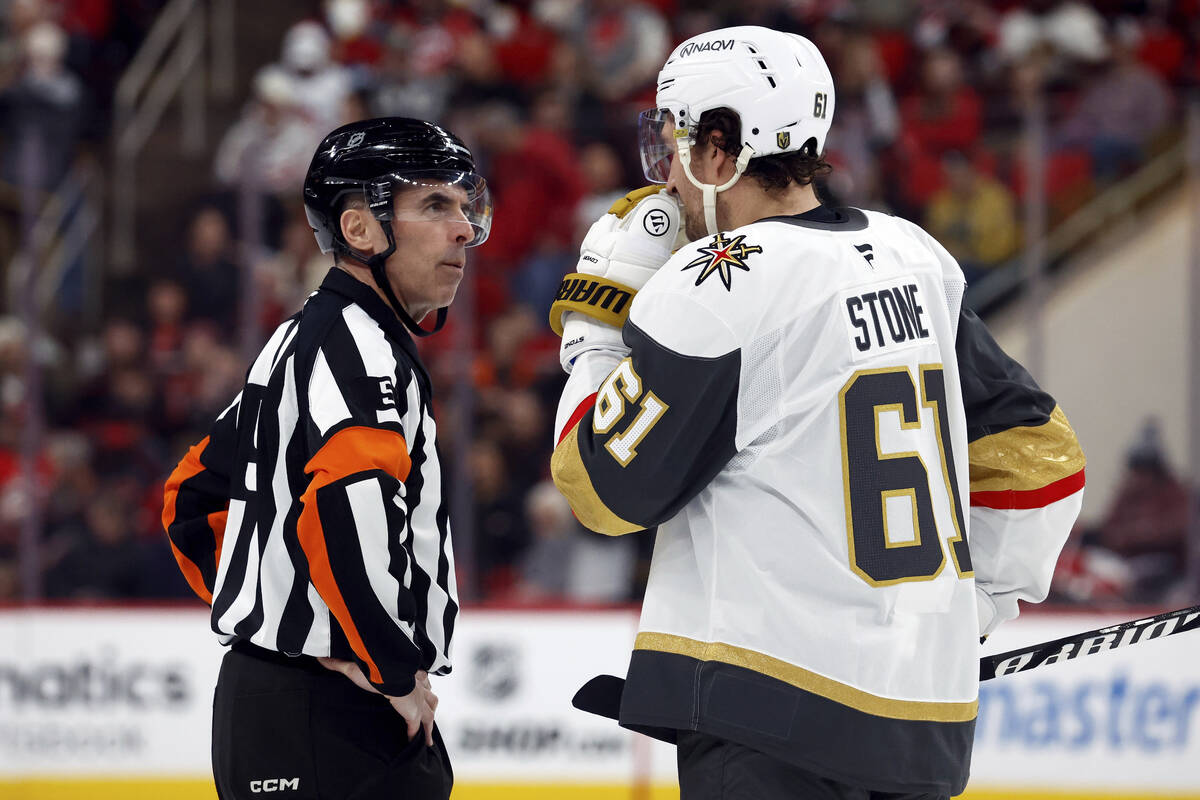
<point>1121,721</point>
<point>114,702</point>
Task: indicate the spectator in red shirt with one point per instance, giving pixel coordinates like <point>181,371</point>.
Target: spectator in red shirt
<point>354,44</point>
<point>945,114</point>
<point>1146,523</point>
<point>523,47</point>
<point>537,182</point>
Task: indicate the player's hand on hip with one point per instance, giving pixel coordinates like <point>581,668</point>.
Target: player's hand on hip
<point>417,707</point>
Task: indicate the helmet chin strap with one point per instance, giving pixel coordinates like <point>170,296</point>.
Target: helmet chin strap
<point>376,264</point>
<point>708,190</point>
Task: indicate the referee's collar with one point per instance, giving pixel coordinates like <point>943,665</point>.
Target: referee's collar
<point>341,282</point>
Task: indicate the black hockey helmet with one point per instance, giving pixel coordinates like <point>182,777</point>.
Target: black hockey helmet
<point>376,157</point>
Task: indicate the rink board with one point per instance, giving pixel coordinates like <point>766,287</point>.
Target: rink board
<point>116,702</point>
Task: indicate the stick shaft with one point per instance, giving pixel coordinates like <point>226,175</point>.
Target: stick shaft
<point>1090,642</point>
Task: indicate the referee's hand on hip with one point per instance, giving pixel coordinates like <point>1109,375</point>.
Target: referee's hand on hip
<point>417,707</point>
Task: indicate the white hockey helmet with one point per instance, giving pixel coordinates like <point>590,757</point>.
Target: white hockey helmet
<point>777,83</point>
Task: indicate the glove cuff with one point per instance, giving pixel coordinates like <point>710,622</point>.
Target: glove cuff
<point>582,335</point>
<point>594,296</point>
<point>986,610</point>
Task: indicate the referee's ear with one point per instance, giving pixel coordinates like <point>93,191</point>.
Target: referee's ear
<point>355,230</point>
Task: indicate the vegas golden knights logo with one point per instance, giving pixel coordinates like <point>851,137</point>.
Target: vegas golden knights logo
<point>721,256</point>
<point>783,139</point>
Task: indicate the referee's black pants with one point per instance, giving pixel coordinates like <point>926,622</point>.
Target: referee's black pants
<point>288,728</point>
<point>716,769</point>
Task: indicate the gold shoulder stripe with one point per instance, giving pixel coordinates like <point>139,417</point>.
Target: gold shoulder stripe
<point>626,203</point>
<point>808,681</point>
<point>1026,458</point>
<point>572,479</point>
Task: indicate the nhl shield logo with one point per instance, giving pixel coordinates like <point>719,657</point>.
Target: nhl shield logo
<point>783,139</point>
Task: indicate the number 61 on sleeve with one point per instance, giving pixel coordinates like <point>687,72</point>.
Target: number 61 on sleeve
<point>625,385</point>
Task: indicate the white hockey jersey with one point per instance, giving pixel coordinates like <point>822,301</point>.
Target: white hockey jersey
<point>839,460</point>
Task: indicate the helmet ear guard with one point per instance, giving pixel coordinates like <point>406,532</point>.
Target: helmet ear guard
<point>379,199</point>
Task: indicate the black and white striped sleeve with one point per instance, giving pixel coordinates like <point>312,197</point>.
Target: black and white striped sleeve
<point>196,503</point>
<point>355,515</point>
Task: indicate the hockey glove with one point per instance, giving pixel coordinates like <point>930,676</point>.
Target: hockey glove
<point>619,254</point>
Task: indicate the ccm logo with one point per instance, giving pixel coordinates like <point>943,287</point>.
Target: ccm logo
<point>275,785</point>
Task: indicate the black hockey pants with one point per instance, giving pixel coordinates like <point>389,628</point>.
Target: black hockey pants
<point>715,769</point>
<point>287,728</point>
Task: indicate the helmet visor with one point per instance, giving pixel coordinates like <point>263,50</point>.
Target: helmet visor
<point>656,143</point>
<point>435,196</point>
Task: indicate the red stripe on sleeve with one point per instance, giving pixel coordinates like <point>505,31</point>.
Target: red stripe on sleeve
<point>587,403</point>
<point>1033,498</point>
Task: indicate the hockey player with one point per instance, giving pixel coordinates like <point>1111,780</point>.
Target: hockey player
<point>850,480</point>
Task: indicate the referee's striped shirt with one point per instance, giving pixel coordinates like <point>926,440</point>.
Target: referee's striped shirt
<point>313,517</point>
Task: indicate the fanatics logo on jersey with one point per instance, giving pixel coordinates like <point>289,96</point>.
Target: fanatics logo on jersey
<point>867,253</point>
<point>721,256</point>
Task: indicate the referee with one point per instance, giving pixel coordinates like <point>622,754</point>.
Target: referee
<point>313,517</point>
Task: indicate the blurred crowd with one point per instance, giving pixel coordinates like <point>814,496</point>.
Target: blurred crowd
<point>1137,551</point>
<point>932,96</point>
<point>60,61</point>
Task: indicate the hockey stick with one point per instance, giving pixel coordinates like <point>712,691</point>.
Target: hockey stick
<point>1090,642</point>
<point>602,694</point>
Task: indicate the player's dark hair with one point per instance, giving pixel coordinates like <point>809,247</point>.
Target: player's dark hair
<point>773,172</point>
